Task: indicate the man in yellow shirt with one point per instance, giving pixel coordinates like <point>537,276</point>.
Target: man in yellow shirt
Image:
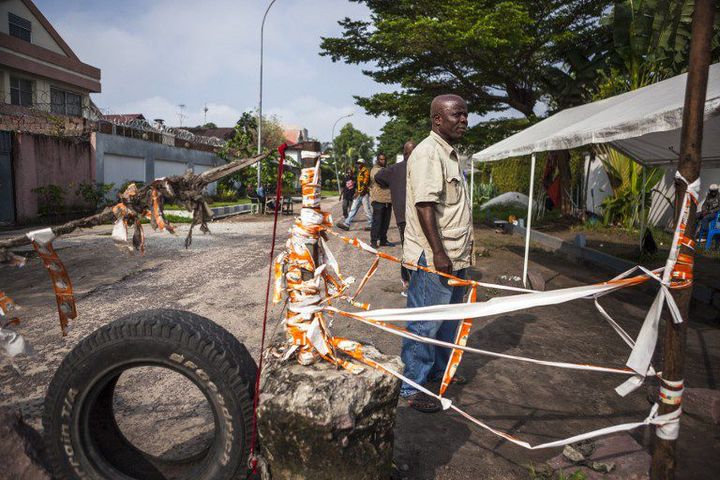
<point>362,196</point>
<point>438,234</point>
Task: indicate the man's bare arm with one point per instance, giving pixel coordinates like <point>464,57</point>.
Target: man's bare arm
<point>428,223</point>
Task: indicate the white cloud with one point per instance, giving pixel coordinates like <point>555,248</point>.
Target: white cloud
<point>160,107</point>
<point>156,55</point>
<point>319,116</point>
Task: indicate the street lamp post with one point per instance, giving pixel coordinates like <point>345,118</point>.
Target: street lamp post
<point>259,137</point>
<point>332,140</point>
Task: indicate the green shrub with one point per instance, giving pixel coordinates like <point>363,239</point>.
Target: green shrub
<point>95,194</point>
<point>51,199</point>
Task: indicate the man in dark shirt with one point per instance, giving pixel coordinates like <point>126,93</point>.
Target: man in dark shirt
<point>348,192</point>
<point>395,178</point>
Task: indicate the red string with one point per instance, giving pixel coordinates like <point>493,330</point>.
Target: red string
<point>278,197</point>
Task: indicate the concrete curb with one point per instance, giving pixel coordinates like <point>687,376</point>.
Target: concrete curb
<point>575,252</point>
<point>218,212</point>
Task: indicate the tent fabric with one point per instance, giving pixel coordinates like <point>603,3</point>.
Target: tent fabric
<point>645,124</point>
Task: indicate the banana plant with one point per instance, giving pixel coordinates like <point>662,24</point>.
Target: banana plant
<point>625,206</point>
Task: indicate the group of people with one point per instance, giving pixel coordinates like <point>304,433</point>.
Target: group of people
<point>429,195</point>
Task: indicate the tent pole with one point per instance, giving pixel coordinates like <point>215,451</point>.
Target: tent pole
<point>642,208</point>
<point>529,220</point>
<point>472,185</point>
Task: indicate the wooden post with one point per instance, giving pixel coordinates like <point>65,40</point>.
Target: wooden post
<point>663,461</point>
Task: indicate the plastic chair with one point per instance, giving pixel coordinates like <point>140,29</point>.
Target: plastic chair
<point>713,229</point>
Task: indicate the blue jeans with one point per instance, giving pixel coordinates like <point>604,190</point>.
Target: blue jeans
<point>423,361</point>
<point>365,201</point>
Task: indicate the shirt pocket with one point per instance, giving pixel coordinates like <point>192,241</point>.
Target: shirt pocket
<point>453,190</point>
<point>455,241</point>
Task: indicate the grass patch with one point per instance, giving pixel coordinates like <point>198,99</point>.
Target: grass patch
<point>330,193</point>
<point>546,473</point>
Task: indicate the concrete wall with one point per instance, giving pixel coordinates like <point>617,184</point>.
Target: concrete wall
<point>121,159</point>
<point>40,160</point>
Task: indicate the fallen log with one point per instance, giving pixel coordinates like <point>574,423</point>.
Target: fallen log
<point>186,189</point>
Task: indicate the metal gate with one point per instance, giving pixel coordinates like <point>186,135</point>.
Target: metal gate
<point>7,191</point>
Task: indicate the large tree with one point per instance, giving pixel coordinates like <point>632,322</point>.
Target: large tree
<point>498,55</point>
<point>349,145</point>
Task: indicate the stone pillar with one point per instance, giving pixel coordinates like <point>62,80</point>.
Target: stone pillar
<point>323,423</point>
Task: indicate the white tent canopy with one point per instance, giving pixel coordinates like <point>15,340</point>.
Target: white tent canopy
<point>644,124</point>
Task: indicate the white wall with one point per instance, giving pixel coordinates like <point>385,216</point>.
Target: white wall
<point>168,168</point>
<point>120,169</point>
<point>39,36</point>
<point>212,187</point>
<point>660,212</point>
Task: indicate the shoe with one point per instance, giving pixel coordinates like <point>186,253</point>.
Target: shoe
<point>456,380</point>
<point>367,229</point>
<point>387,244</point>
<point>403,294</point>
<point>374,245</point>
<point>422,402</point>
<point>341,225</point>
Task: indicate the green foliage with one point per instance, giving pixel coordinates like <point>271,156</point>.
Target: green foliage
<point>496,54</point>
<point>244,144</point>
<point>484,192</point>
<point>650,42</point>
<point>513,174</point>
<point>51,199</point>
<point>95,194</point>
<point>545,472</point>
<point>399,130</point>
<point>349,145</point>
<point>624,207</point>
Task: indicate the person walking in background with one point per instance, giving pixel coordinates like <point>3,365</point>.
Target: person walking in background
<point>438,235</point>
<point>362,196</point>
<point>394,177</point>
<point>380,199</point>
<point>348,192</point>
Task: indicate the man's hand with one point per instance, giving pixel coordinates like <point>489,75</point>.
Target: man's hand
<point>428,223</point>
<point>442,262</point>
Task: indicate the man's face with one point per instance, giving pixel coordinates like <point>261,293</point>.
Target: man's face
<point>452,121</point>
<point>381,160</point>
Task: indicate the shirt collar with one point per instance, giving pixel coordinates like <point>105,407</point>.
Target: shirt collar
<point>443,144</point>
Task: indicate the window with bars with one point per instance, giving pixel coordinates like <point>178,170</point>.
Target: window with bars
<point>65,103</point>
<point>21,92</point>
<point>20,27</point>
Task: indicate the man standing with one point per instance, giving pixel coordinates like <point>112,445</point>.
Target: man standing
<point>395,178</point>
<point>361,197</point>
<point>348,192</point>
<point>380,199</point>
<point>438,235</point>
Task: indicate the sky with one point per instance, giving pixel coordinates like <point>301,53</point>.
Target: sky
<point>157,54</point>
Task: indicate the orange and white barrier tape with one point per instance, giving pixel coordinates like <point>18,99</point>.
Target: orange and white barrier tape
<point>42,243</point>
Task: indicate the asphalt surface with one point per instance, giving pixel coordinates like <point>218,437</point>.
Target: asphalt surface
<point>223,277</point>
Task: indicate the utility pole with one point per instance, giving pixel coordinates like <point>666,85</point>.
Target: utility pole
<point>205,110</point>
<point>260,114</point>
<point>663,460</point>
<point>181,113</point>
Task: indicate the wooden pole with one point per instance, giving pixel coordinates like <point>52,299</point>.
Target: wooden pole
<point>664,461</point>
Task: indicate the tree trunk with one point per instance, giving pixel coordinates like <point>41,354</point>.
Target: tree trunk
<point>664,462</point>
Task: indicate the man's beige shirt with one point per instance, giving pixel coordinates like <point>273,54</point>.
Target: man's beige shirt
<point>434,175</point>
<point>378,193</point>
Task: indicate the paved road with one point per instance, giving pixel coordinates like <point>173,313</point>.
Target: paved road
<point>223,278</point>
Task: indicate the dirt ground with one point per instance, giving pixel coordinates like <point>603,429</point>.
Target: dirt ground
<point>223,277</point>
